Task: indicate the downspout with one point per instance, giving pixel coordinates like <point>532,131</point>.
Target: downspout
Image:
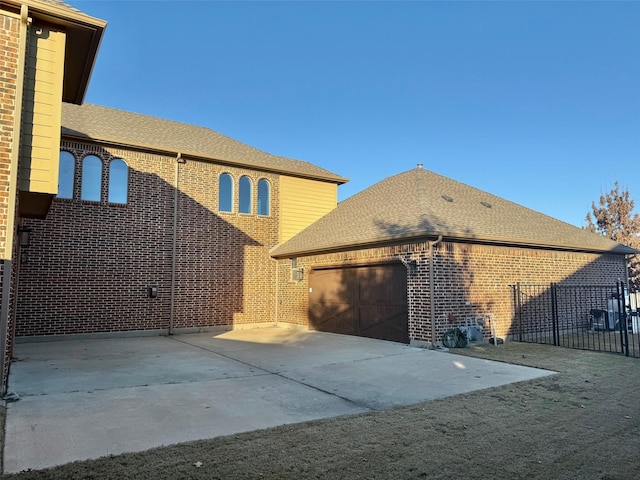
<point>174,246</point>
<point>432,291</point>
<point>11,207</point>
<point>276,262</point>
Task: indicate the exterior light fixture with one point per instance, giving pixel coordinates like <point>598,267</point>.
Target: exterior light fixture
<point>24,237</point>
<point>24,242</point>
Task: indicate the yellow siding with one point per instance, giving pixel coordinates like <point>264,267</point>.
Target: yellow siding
<point>302,202</point>
<point>39,155</point>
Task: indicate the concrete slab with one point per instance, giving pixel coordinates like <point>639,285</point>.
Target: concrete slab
<point>94,365</point>
<point>89,398</point>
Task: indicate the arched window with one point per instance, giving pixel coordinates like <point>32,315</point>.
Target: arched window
<point>225,193</point>
<point>66,171</point>
<point>91,178</point>
<point>118,181</point>
<point>245,194</point>
<point>263,197</point>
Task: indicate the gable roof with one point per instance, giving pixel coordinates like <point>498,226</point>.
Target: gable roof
<point>117,127</point>
<point>422,204</point>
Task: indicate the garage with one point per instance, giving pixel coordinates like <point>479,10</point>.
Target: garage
<point>367,301</point>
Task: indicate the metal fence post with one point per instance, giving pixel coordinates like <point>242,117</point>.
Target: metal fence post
<point>554,314</point>
<point>516,303</point>
<point>622,319</point>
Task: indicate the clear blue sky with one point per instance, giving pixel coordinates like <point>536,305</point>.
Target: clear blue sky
<point>537,102</point>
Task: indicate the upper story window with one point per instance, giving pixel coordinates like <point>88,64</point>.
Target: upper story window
<point>263,197</point>
<point>91,178</point>
<point>118,181</point>
<point>245,194</point>
<point>225,193</point>
<point>66,173</point>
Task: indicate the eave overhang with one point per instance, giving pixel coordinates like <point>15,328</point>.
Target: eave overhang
<point>110,142</point>
<point>278,253</point>
<point>83,37</point>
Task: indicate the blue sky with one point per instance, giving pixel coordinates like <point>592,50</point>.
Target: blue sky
<point>537,102</point>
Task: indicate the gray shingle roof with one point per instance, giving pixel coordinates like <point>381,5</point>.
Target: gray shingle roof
<point>419,203</point>
<point>60,4</point>
<point>126,128</point>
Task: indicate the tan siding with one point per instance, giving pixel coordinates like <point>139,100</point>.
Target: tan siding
<point>302,202</point>
<point>42,111</point>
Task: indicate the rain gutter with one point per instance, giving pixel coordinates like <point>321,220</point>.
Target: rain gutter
<point>104,140</point>
<point>279,252</point>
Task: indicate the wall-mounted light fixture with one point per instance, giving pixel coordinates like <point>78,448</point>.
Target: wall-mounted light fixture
<point>24,237</point>
<point>24,242</point>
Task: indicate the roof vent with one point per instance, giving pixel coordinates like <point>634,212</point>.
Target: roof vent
<point>447,198</point>
<point>485,204</point>
<point>420,165</point>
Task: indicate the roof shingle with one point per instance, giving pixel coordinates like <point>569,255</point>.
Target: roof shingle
<point>60,4</point>
<point>127,128</point>
<point>419,203</point>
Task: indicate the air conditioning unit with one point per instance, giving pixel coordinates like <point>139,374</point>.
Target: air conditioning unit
<point>297,274</point>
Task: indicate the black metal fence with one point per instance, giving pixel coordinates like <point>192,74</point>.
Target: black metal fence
<point>596,317</point>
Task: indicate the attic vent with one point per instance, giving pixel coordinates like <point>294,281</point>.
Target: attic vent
<point>485,204</point>
<point>447,198</point>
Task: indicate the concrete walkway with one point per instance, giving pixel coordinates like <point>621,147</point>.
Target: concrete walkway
<point>85,399</point>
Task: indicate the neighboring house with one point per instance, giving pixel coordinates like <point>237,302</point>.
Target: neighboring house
<point>410,256</point>
<point>48,51</point>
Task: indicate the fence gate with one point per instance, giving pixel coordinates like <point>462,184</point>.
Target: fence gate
<point>594,317</point>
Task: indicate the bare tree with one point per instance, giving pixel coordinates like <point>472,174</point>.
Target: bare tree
<point>614,219</point>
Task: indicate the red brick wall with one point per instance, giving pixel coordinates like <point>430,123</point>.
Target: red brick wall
<point>9,36</point>
<point>470,280</point>
<point>475,280</point>
<point>90,263</point>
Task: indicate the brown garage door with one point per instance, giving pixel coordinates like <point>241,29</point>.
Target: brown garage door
<point>366,301</point>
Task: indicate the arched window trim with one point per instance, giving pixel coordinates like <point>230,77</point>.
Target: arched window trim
<point>230,195</point>
<point>84,182</point>
<point>261,207</point>
<point>248,210</point>
<point>73,174</point>
<point>111,179</point>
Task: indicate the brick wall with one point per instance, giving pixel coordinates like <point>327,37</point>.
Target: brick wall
<point>90,263</point>
<point>470,280</point>
<point>9,44</point>
<point>9,36</point>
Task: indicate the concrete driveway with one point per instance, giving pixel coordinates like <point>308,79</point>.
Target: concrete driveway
<point>85,399</point>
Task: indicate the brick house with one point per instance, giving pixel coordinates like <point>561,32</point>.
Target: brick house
<point>161,227</point>
<point>409,256</point>
<point>48,49</point>
<point>140,225</point>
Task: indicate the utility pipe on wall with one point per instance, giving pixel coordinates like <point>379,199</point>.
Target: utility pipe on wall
<point>432,290</point>
<point>277,267</point>
<point>174,247</point>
